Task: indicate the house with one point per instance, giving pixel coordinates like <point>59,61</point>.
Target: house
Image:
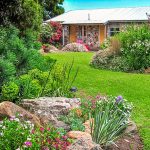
<point>92,27</point>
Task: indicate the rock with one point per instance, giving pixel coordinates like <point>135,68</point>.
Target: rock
<point>49,49</point>
<point>83,141</point>
<point>147,70</point>
<point>78,135</point>
<point>9,109</point>
<point>49,109</point>
<point>132,128</point>
<point>87,126</point>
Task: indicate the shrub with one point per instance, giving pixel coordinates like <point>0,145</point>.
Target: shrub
<point>135,47</point>
<point>75,47</point>
<point>10,91</point>
<point>109,120</point>
<point>129,50</point>
<point>115,45</point>
<point>106,59</point>
<point>51,33</point>
<point>25,136</point>
<point>55,82</point>
<point>18,54</point>
<point>30,88</point>
<point>105,44</point>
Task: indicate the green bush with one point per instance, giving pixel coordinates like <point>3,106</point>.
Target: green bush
<point>134,53</point>
<point>135,43</point>
<point>18,54</point>
<point>10,91</point>
<point>30,88</point>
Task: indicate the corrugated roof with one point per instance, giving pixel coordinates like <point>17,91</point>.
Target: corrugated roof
<point>103,15</point>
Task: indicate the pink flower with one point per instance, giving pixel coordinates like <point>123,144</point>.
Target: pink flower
<point>28,143</point>
<point>33,131</point>
<point>41,129</point>
<point>12,118</point>
<point>48,129</point>
<point>64,137</point>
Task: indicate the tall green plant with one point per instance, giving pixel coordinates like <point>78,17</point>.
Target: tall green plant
<point>109,120</point>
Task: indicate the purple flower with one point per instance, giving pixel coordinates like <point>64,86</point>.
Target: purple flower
<point>28,143</point>
<point>12,118</point>
<point>119,99</point>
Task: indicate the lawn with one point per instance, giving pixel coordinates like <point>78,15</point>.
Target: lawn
<point>134,87</point>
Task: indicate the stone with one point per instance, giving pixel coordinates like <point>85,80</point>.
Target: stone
<point>49,109</point>
<point>87,126</point>
<point>9,109</point>
<point>147,70</point>
<point>49,49</point>
<point>78,135</point>
<point>83,141</point>
<point>132,128</point>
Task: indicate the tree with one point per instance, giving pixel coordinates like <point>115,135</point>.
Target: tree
<point>24,14</point>
<point>52,8</point>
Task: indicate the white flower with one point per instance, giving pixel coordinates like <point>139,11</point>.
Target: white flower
<point>16,119</point>
<point>3,127</point>
<point>28,139</point>
<point>29,122</point>
<point>1,134</point>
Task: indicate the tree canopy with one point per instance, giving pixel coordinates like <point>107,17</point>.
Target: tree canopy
<point>52,8</point>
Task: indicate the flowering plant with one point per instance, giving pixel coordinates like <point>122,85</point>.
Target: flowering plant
<point>75,47</point>
<point>14,132</point>
<point>51,33</point>
<point>17,134</point>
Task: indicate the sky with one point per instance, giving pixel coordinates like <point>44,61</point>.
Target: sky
<point>93,4</point>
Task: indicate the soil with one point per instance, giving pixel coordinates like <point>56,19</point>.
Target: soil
<point>127,142</point>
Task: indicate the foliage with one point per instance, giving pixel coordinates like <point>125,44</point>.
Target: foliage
<point>55,82</point>
<point>24,14</point>
<point>51,33</point>
<point>19,130</point>
<point>106,59</point>
<point>52,8</point>
<point>74,119</point>
<point>109,120</point>
<point>25,136</point>
<point>10,91</point>
<point>75,47</point>
<point>129,50</point>
<point>105,44</point>
<point>60,80</point>
<point>135,43</point>
<point>30,88</point>
<point>18,55</point>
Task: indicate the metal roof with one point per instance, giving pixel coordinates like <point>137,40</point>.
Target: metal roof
<point>103,15</point>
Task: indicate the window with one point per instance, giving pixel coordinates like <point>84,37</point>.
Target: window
<point>113,31</point>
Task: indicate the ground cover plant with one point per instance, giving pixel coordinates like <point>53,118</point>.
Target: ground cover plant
<point>27,137</point>
<point>134,87</point>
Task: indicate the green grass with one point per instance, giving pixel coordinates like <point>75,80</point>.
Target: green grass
<point>134,87</point>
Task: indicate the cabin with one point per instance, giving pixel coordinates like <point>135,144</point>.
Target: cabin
<point>92,27</point>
